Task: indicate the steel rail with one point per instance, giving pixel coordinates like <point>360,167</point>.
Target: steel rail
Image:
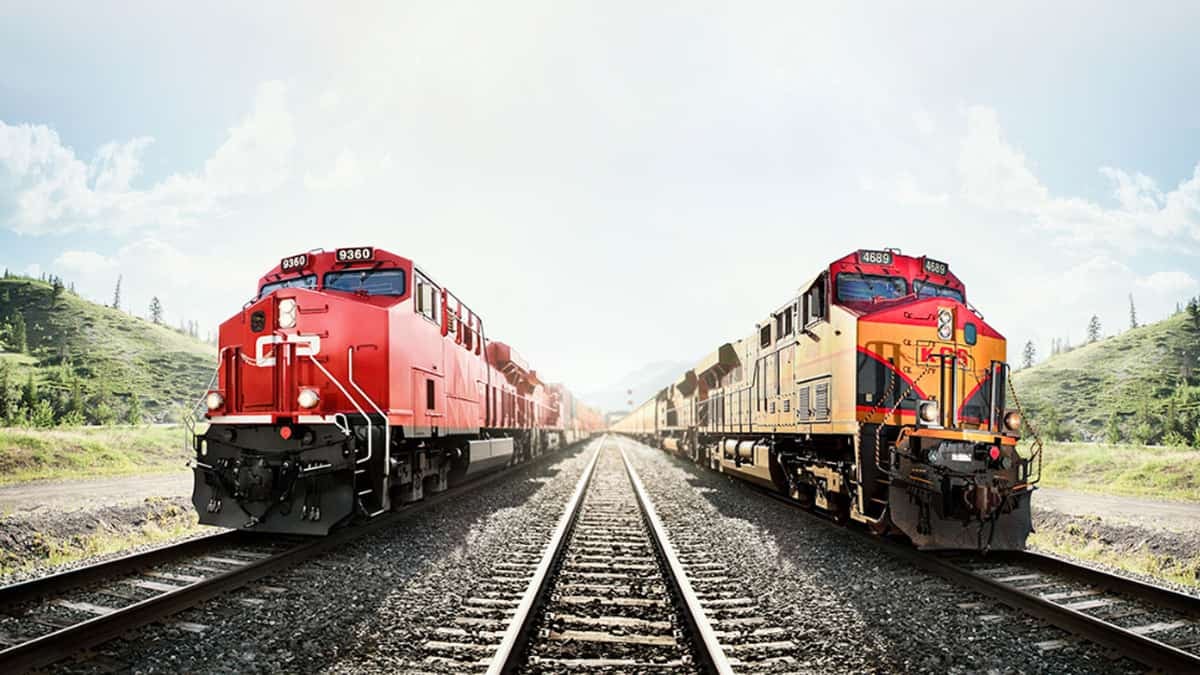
<point>1140,648</point>
<point>53,584</point>
<point>712,658</point>
<point>57,645</point>
<point>516,638</point>
<point>1158,595</point>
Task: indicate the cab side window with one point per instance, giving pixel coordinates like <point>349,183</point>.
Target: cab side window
<point>764,336</point>
<point>814,303</point>
<point>427,298</point>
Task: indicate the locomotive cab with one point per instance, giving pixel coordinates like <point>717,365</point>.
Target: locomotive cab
<point>938,456</point>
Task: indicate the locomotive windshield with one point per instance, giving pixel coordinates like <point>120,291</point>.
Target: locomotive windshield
<point>924,289</point>
<point>370,282</point>
<point>867,287</point>
<point>306,281</point>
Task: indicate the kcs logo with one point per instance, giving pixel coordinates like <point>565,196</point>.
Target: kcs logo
<point>931,353</point>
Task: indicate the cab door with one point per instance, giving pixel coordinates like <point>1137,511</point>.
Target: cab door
<point>429,401</point>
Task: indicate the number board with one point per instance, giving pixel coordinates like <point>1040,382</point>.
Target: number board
<point>875,257</point>
<point>936,267</point>
<point>357,254</point>
<point>292,263</point>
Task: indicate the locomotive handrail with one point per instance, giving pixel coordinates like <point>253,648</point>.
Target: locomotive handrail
<point>336,383</point>
<point>387,428</point>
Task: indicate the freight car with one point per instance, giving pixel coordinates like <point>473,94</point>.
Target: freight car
<point>877,394</point>
<point>354,383</point>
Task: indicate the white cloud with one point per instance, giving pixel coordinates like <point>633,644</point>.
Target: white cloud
<point>906,191</point>
<point>1172,282</point>
<point>924,122</point>
<point>51,190</point>
<point>151,267</point>
<point>330,99</point>
<point>996,176</point>
<point>344,174</point>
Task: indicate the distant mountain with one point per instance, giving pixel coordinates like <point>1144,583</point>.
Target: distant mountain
<point>1144,382</point>
<point>643,382</point>
<point>92,359</point>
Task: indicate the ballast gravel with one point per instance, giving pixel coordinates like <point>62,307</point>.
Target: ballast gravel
<point>373,605</point>
<point>848,605</point>
<point>369,607</point>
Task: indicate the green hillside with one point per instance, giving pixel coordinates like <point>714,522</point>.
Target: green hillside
<point>1141,386</point>
<point>86,363</point>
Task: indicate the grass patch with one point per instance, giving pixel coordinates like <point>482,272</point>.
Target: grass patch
<point>87,452</point>
<point>1074,542</point>
<point>1131,470</point>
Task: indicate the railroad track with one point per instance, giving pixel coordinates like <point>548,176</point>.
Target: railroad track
<point>46,620</point>
<point>1155,626</point>
<point>1149,624</point>
<point>610,589</point>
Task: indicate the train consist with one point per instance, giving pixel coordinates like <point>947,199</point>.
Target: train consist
<point>878,394</point>
<point>352,384</point>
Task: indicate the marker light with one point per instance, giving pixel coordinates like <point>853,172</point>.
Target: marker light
<point>994,453</point>
<point>928,411</point>
<point>287,313</point>
<point>1012,421</point>
<point>285,432</point>
<point>214,400</point>
<point>308,398</point>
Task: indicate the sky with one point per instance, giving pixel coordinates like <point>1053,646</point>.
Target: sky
<point>609,184</point>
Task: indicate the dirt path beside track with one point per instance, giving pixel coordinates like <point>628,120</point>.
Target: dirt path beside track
<point>1153,513</point>
<point>71,495</point>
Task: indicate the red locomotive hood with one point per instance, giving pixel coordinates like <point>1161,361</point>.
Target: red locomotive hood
<point>923,312</point>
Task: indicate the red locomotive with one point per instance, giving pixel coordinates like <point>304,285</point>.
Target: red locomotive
<point>354,383</point>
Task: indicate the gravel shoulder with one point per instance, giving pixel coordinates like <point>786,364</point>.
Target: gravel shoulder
<point>849,605</point>
<point>47,527</point>
<point>1152,540</point>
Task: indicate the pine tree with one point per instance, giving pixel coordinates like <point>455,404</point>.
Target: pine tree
<point>56,285</point>
<point>29,395</point>
<point>1132,313</point>
<point>1093,329</point>
<point>20,340</point>
<point>156,310</point>
<point>1112,429</point>
<point>133,414</point>
<point>42,414</point>
<point>1029,355</point>
<point>117,294</point>
<point>7,400</point>
<point>1194,311</point>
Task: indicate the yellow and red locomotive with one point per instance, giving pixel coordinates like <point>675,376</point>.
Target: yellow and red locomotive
<point>878,394</point>
<point>354,383</point>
